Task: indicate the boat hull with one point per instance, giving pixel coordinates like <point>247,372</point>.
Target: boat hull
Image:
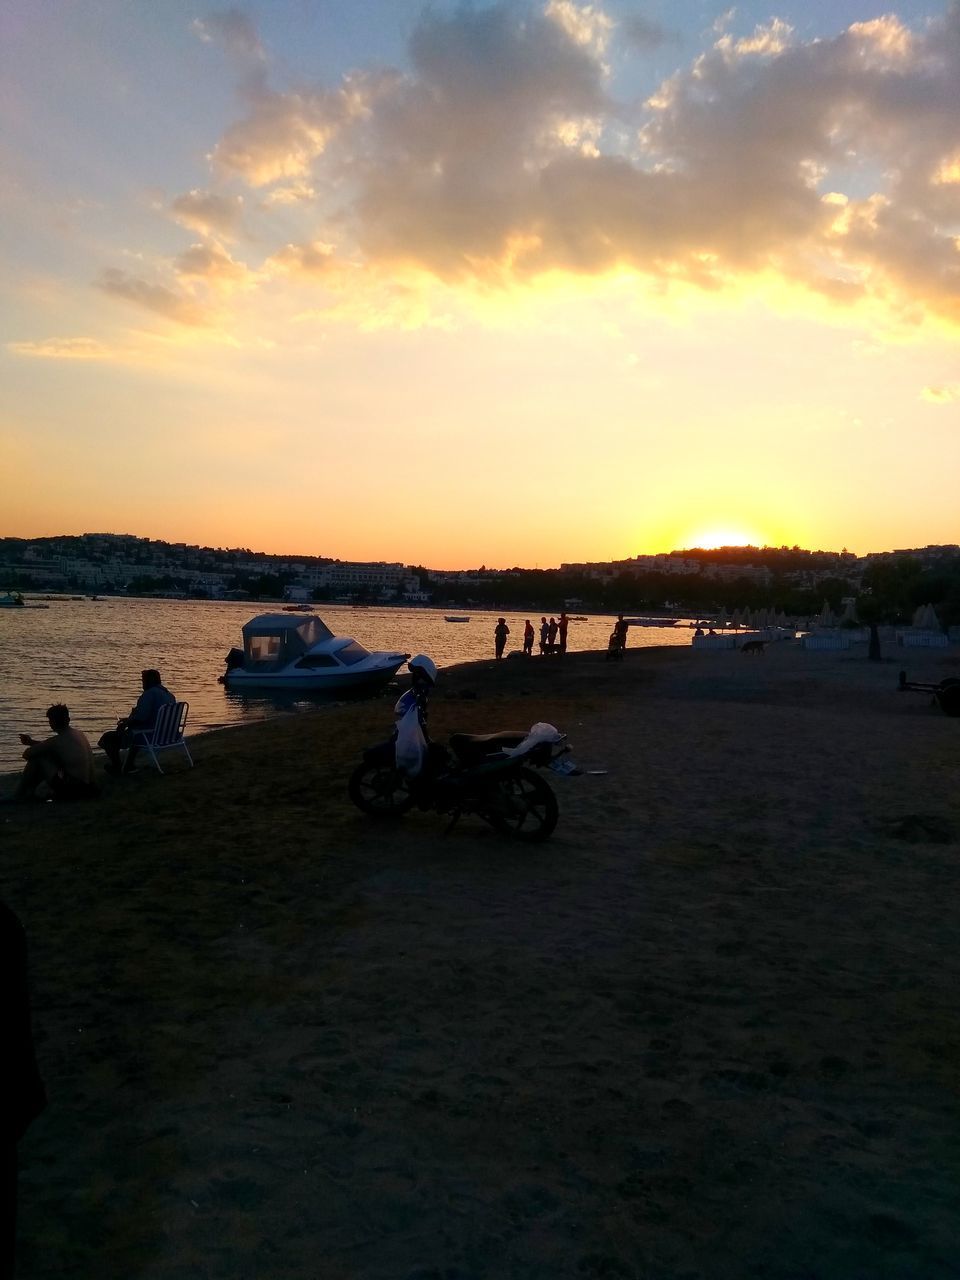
<point>309,680</point>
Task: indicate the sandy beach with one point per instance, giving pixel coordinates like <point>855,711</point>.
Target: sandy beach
<point>709,1030</point>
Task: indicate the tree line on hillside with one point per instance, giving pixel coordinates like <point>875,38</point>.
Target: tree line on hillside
<point>890,591</point>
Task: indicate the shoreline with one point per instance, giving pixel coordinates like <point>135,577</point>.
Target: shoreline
<point>512,673</point>
<point>456,669</point>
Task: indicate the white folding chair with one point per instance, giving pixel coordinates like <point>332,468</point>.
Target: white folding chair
<point>167,732</point>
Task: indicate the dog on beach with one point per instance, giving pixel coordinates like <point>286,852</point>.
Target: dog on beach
<point>753,646</point>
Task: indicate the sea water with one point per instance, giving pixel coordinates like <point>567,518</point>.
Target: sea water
<point>89,654</point>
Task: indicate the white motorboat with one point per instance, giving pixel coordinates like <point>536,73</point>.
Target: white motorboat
<point>292,651</point>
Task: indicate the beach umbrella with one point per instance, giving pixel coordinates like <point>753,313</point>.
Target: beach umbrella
<point>930,620</point>
<point>722,618</point>
<point>918,616</point>
<point>735,618</point>
<point>825,617</point>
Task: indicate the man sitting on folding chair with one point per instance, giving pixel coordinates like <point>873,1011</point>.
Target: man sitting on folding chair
<point>140,720</point>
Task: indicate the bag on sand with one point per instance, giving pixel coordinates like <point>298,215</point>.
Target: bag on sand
<point>411,745</point>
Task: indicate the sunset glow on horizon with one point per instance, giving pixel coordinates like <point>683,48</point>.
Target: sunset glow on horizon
<point>507,284</point>
<point>712,539</point>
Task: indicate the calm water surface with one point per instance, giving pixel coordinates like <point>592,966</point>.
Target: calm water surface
<point>89,654</point>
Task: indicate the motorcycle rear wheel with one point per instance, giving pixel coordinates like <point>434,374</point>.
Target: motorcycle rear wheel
<point>380,790</point>
<point>524,807</point>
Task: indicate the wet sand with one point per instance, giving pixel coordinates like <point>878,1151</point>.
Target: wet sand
<point>708,1030</point>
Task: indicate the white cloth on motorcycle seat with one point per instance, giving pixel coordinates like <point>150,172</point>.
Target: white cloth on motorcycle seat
<point>411,746</point>
<point>540,732</point>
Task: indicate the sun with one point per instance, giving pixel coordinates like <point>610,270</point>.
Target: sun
<point>721,536</point>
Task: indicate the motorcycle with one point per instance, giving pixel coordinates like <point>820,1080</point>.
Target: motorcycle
<point>489,774</point>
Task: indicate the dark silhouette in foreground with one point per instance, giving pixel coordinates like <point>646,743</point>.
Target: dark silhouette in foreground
<point>23,1096</point>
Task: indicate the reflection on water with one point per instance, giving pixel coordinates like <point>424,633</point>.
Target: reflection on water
<point>89,654</point>
<point>260,704</point>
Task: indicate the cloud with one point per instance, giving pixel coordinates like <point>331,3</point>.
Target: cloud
<point>284,133</point>
<point>945,394</point>
<point>233,31</point>
<point>206,212</point>
<point>643,33</point>
<point>501,155</point>
<point>211,263</point>
<point>585,24</point>
<point>62,349</point>
<point>152,297</point>
<point>295,193</point>
<point>316,259</point>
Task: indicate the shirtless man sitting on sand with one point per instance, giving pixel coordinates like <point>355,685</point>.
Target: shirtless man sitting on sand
<point>60,767</point>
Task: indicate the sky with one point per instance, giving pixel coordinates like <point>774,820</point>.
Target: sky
<point>481,283</point>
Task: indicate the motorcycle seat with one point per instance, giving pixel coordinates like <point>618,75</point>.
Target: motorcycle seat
<point>473,746</point>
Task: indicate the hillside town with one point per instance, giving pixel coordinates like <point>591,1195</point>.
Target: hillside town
<point>106,563</point>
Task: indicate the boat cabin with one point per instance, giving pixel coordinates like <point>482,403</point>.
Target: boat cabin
<point>273,641</point>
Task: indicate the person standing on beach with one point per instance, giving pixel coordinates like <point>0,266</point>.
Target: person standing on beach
<point>562,625</point>
<point>140,720</point>
<point>500,633</point>
<point>528,638</point>
<point>62,765</point>
<point>544,632</point>
<point>621,629</point>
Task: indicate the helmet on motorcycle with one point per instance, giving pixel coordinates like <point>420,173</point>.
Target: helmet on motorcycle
<point>426,666</point>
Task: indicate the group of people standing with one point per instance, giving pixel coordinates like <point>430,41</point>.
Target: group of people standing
<point>553,636</point>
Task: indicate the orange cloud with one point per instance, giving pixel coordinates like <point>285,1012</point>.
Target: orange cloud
<point>62,349</point>
<point>207,212</point>
<point>152,297</point>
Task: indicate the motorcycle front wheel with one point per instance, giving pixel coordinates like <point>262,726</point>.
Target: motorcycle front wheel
<point>380,790</point>
<point>523,806</point>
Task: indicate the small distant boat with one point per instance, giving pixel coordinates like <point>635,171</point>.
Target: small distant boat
<point>14,600</point>
<point>651,622</point>
<point>297,608</point>
<point>453,618</point>
<point>284,652</point>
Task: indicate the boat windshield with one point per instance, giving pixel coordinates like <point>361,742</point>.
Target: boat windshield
<point>352,653</point>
